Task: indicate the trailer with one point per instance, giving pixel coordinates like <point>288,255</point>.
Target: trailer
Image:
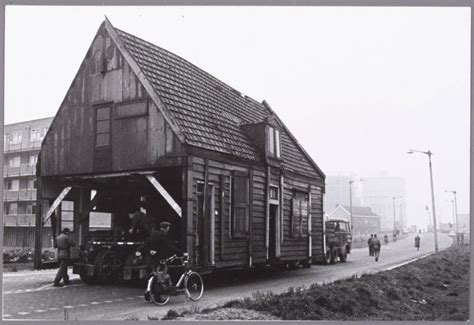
<point>223,169</point>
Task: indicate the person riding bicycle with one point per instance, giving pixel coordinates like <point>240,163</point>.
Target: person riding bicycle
<point>160,247</point>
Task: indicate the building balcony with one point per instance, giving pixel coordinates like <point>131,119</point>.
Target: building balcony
<point>22,170</point>
<point>21,147</point>
<point>19,220</point>
<point>21,195</point>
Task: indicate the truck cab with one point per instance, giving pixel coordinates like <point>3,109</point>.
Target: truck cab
<point>338,240</point>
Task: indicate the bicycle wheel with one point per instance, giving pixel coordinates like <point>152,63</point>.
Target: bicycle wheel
<point>194,286</point>
<point>157,296</point>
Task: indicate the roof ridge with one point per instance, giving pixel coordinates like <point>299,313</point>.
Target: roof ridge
<point>171,54</point>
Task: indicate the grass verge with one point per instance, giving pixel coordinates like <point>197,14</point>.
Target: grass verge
<point>433,288</point>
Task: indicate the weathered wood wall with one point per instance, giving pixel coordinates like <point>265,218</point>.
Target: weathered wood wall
<point>136,142</point>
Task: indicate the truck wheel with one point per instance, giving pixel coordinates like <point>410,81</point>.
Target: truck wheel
<point>327,256</point>
<point>343,255</point>
<point>293,265</point>
<point>107,264</point>
<point>333,255</point>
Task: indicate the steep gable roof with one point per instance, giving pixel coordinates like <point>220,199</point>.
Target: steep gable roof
<point>207,112</point>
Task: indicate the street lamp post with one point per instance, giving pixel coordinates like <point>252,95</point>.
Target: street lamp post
<point>350,197</point>
<point>455,210</point>
<point>435,228</point>
<point>394,220</point>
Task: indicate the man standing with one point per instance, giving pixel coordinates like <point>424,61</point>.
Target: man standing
<point>417,242</point>
<point>376,247</point>
<point>63,244</point>
<point>369,243</point>
<point>141,224</point>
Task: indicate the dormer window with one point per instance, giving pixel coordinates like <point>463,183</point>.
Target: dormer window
<point>274,142</point>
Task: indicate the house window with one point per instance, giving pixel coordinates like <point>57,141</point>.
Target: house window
<point>32,184</point>
<point>31,208</point>
<point>12,185</point>
<point>67,215</point>
<point>274,147</point>
<point>273,193</point>
<point>11,209</point>
<point>35,135</point>
<point>33,160</point>
<point>300,213</point>
<point>102,130</point>
<point>14,161</point>
<point>240,205</point>
<point>16,138</point>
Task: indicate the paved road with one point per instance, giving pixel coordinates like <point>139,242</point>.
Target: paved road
<point>30,295</point>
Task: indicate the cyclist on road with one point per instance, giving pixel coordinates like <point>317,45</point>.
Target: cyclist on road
<point>160,247</point>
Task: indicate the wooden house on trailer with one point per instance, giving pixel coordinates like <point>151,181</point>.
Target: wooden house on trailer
<point>139,121</point>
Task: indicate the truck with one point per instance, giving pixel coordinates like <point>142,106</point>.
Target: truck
<point>338,242</point>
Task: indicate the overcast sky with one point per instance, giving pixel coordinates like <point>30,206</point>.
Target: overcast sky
<point>357,86</point>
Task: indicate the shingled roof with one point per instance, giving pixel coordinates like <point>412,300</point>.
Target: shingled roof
<point>208,111</point>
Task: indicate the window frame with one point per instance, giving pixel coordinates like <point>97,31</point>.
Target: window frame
<point>69,222</point>
<point>98,107</point>
<point>297,217</point>
<point>117,106</point>
<point>35,134</point>
<point>19,137</point>
<point>235,232</point>
<point>274,142</point>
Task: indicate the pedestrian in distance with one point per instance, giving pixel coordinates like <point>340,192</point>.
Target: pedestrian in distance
<point>369,243</point>
<point>376,246</point>
<point>63,244</point>
<point>385,239</point>
<point>417,242</point>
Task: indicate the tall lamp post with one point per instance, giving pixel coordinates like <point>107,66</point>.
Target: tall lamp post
<point>350,196</point>
<point>394,222</point>
<point>435,228</point>
<point>455,210</point>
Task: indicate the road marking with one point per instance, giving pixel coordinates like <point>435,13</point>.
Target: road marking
<point>48,287</point>
<point>408,262</point>
<point>82,305</point>
<point>40,310</point>
<point>130,298</point>
<point>95,303</point>
<point>108,301</point>
<point>119,299</point>
<point>53,308</point>
<point>23,313</point>
<point>7,315</point>
<point>68,307</point>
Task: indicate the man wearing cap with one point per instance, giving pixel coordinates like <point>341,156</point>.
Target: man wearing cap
<point>160,247</point>
<point>63,244</point>
<point>160,242</point>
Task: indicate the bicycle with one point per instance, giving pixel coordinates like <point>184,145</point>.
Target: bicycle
<point>190,282</point>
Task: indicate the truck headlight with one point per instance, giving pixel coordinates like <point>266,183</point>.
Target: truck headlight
<point>138,254</point>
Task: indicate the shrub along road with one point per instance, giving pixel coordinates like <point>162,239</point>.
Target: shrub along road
<point>29,295</point>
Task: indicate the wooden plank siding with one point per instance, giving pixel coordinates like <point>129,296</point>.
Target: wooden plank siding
<point>136,142</point>
<point>233,251</point>
<point>295,247</point>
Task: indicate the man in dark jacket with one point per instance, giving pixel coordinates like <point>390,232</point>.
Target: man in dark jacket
<point>63,244</point>
<point>376,247</point>
<point>141,224</point>
<point>369,243</point>
<point>160,242</point>
<point>161,247</point>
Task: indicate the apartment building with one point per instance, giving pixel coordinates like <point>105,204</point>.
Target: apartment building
<point>22,143</point>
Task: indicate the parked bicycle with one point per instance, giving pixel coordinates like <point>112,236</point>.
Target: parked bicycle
<point>160,286</point>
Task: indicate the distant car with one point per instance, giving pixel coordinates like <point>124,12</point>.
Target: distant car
<point>338,240</point>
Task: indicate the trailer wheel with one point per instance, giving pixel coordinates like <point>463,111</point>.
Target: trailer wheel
<point>85,278</point>
<point>107,264</point>
<point>306,263</point>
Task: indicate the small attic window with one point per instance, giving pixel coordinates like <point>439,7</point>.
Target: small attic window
<point>274,146</point>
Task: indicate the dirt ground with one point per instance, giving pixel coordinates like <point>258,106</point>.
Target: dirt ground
<point>433,288</point>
